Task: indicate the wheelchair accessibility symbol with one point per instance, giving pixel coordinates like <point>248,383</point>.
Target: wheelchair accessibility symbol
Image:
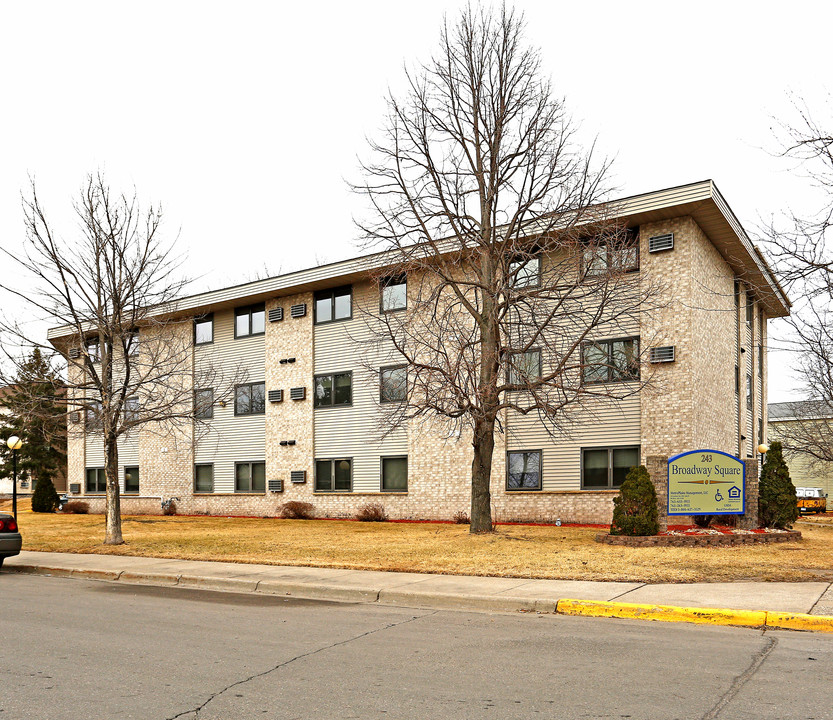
<point>717,496</point>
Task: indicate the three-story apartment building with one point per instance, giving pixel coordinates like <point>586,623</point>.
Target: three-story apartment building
<point>304,425</point>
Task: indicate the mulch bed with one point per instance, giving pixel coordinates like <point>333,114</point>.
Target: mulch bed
<point>688,536</point>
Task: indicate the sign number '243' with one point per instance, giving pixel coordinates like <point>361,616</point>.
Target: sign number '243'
<point>706,482</point>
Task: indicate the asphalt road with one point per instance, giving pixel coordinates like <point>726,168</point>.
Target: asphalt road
<point>84,650</point>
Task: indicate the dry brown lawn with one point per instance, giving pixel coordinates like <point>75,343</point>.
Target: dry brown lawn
<point>512,551</point>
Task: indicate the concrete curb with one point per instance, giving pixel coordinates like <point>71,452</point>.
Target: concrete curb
<point>414,597</point>
<point>669,613</point>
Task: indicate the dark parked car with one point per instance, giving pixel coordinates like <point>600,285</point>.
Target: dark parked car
<point>10,540</point>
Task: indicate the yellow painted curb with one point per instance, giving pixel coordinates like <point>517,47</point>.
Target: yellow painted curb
<point>799,621</point>
<point>664,613</point>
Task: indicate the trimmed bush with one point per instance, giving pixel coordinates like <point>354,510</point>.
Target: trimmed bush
<point>170,508</point>
<point>76,507</point>
<point>461,518</point>
<point>372,512</point>
<point>635,509</point>
<point>294,510</point>
<point>45,498</point>
<point>777,503</point>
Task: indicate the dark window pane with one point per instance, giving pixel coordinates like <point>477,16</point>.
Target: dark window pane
<point>394,296</point>
<point>131,479</point>
<point>343,304</point>
<point>343,392</point>
<point>323,475</point>
<point>258,398</point>
<point>524,471</point>
<point>525,273</point>
<point>203,331</point>
<point>258,321</point>
<point>595,468</point>
<point>342,475</point>
<point>526,367</point>
<point>395,474</point>
<point>241,324</point>
<point>323,390</point>
<point>204,478</point>
<point>594,363</point>
<point>623,460</point>
<point>204,404</point>
<point>324,309</point>
<point>242,400</point>
<point>258,477</point>
<point>625,363</point>
<point>242,478</point>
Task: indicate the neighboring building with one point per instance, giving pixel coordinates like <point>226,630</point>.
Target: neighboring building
<point>298,332</point>
<point>815,419</point>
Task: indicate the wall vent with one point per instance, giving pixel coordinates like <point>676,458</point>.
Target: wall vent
<point>276,486</point>
<point>75,417</point>
<point>276,396</point>
<point>284,361</point>
<point>658,243</point>
<point>299,393</point>
<point>276,315</point>
<point>75,488</point>
<point>298,476</point>
<point>663,354</point>
<point>74,353</point>
<point>298,311</point>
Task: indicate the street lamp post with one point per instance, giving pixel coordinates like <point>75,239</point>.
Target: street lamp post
<point>763,448</point>
<point>14,444</point>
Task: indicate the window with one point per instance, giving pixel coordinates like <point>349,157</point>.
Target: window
<point>250,477</point>
<point>524,367</point>
<point>750,308</point>
<point>204,330</point>
<point>93,350</point>
<point>619,255</point>
<point>336,389</point>
<point>250,399</point>
<point>525,272</point>
<point>204,478</point>
<point>523,470</point>
<point>395,474</point>
<point>393,384</point>
<point>93,413</point>
<point>610,361</point>
<point>761,431</point>
<point>737,380</point>
<point>131,409</point>
<point>250,320</point>
<point>334,475</point>
<point>394,294</point>
<point>335,304</point>
<point>204,404</point>
<point>96,480</point>
<point>749,390</point>
<point>603,468</point>
<point>131,479</point>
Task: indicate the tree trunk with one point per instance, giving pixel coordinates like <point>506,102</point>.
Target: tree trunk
<point>481,474</point>
<point>112,534</point>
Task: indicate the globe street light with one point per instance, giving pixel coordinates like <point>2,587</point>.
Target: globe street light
<point>14,444</point>
<point>763,448</point>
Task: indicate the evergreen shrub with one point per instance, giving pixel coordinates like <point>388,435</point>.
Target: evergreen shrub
<point>635,508</point>
<point>45,498</point>
<point>777,503</point>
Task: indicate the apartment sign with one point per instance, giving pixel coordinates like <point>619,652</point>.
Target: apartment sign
<point>706,482</point>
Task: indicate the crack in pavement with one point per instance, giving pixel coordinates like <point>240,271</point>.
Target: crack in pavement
<point>741,680</point>
<point>621,594</point>
<point>197,710</point>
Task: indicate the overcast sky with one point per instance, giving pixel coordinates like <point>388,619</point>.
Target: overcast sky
<point>245,119</point>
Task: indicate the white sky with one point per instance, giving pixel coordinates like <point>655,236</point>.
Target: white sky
<point>245,119</point>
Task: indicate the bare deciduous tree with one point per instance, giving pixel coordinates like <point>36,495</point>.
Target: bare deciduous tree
<point>493,214</point>
<point>129,362</point>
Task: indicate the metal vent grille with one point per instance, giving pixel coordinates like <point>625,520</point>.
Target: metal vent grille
<point>74,353</point>
<point>276,486</point>
<point>298,311</point>
<point>276,315</point>
<point>276,396</point>
<point>662,354</point>
<point>299,393</point>
<point>298,476</point>
<point>75,488</point>
<point>284,361</point>
<point>75,417</point>
<point>661,242</point>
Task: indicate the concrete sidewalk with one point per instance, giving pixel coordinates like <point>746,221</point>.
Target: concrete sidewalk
<point>424,590</point>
